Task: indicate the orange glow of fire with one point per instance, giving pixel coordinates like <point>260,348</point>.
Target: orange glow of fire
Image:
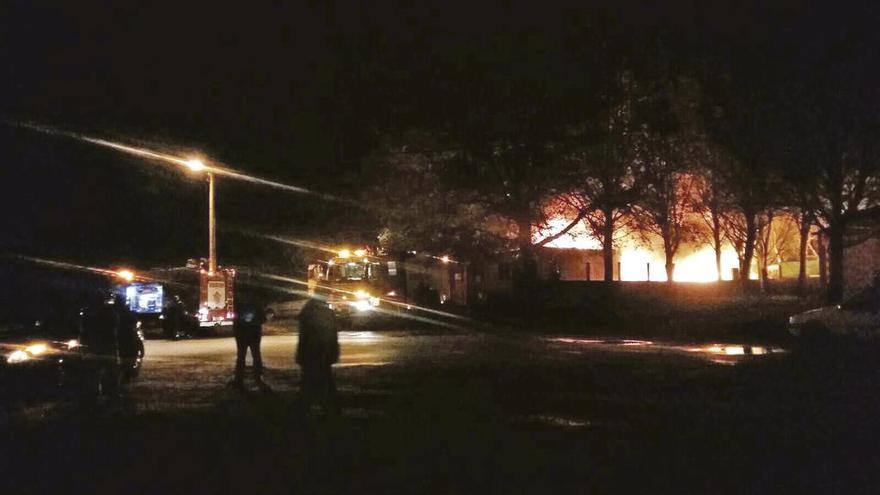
<point>576,238</point>
<point>698,266</point>
<point>691,265</point>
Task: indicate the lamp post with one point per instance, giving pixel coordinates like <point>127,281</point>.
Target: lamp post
<point>198,166</point>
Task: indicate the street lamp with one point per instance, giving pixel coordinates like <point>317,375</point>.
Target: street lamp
<point>197,165</point>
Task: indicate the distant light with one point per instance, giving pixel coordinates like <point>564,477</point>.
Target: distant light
<point>17,357</point>
<point>125,275</point>
<point>445,259</point>
<point>36,349</point>
<point>360,253</point>
<point>362,305</point>
<point>330,263</point>
<point>345,253</point>
<point>195,165</point>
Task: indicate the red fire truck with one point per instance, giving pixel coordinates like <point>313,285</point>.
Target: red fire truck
<point>358,284</point>
<point>216,297</point>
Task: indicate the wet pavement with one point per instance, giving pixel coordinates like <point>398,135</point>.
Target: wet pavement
<point>719,353</point>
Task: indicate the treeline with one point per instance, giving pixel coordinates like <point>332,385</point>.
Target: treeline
<point>628,134</point>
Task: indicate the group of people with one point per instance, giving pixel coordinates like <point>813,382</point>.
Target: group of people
<point>316,351</point>
<point>108,332</point>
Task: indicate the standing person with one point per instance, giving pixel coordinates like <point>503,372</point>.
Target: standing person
<point>175,323</point>
<point>127,339</point>
<point>99,337</point>
<point>316,352</point>
<point>248,329</point>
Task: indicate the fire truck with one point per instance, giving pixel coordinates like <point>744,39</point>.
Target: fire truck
<point>216,297</point>
<point>359,284</point>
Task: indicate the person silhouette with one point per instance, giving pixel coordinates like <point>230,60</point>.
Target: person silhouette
<point>248,330</point>
<point>316,352</point>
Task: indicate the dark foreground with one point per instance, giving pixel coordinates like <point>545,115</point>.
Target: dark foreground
<point>472,414</point>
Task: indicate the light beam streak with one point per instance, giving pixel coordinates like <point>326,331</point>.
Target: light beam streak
<point>290,241</point>
<point>63,265</point>
<point>217,169</point>
<point>280,278</point>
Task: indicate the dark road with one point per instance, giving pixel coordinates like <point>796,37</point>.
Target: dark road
<point>189,373</point>
<point>488,413</point>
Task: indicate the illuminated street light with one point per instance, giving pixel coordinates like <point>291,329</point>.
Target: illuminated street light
<point>197,165</point>
<point>126,275</point>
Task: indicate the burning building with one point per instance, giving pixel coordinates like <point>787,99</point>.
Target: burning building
<point>577,255</point>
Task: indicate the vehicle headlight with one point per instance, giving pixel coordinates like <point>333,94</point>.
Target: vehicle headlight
<point>72,344</point>
<point>18,356</point>
<point>362,305</point>
<point>374,301</point>
<point>36,349</point>
<point>361,294</point>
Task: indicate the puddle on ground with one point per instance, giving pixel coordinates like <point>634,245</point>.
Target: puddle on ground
<point>549,420</point>
<point>714,352</point>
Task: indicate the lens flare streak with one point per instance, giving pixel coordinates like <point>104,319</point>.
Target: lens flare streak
<point>280,278</point>
<point>174,160</point>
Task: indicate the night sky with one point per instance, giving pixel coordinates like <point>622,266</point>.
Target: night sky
<point>295,93</point>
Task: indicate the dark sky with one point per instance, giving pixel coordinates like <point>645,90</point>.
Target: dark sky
<point>291,92</point>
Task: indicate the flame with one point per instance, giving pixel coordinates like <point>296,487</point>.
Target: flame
<point>695,266</point>
<point>698,266</point>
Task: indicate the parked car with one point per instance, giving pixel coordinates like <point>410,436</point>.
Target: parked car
<point>44,360</point>
<point>284,309</point>
<point>858,317</point>
<point>36,361</point>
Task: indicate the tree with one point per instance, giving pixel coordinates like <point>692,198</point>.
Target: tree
<point>740,120</point>
<point>510,111</point>
<point>664,210</point>
<point>709,206</point>
<point>662,146</point>
<point>763,244</point>
<point>416,209</point>
<point>839,126</point>
<point>802,204</point>
<point>608,176</point>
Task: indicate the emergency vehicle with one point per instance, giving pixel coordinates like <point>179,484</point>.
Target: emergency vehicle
<point>216,297</point>
<point>359,284</point>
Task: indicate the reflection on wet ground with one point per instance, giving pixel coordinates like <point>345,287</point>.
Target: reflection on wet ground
<point>715,352</point>
<point>552,420</point>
